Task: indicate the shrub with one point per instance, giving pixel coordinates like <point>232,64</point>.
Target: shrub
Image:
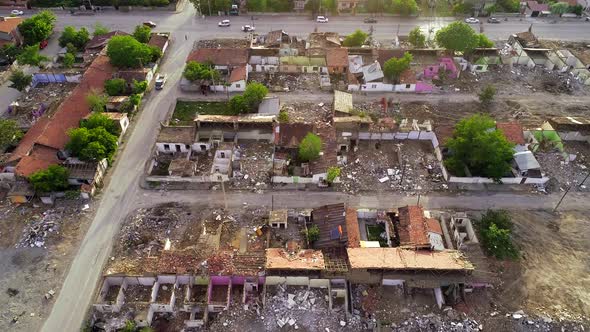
<point>313,234</point>
<point>97,102</point>
<point>495,229</point>
<point>357,38</point>
<point>417,38</point>
<point>333,173</point>
<point>69,60</point>
<point>51,179</point>
<point>115,86</point>
<point>283,116</point>
<point>139,86</point>
<point>310,147</point>
<point>142,33</point>
<point>486,96</point>
<point>20,80</point>
<point>197,71</point>
<point>238,105</point>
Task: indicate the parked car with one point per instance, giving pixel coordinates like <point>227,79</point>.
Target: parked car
<point>17,12</point>
<point>321,19</point>
<point>149,24</point>
<point>224,23</point>
<point>160,81</point>
<point>43,44</point>
<point>370,20</point>
<point>471,20</point>
<point>248,28</point>
<point>493,20</point>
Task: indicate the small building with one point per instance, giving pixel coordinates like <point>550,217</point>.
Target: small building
<point>483,59</point>
<point>372,72</point>
<point>278,218</point>
<point>571,128</point>
<point>417,231</point>
<point>342,103</point>
<point>331,221</point>
<point>444,64</point>
<point>264,59</point>
<point>159,40</point>
<point>135,74</point>
<point>337,60</point>
<point>224,59</point>
<point>302,64</point>
<point>527,165</point>
<point>177,139</point>
<point>87,175</point>
<point>182,167</point>
<point>9,33</point>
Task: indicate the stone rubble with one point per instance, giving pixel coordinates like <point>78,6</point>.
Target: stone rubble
<point>36,233</point>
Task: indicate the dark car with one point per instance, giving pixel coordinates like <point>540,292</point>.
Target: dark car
<point>493,20</point>
<point>370,20</point>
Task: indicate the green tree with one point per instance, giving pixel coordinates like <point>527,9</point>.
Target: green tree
<point>71,48</point>
<point>357,38</point>
<point>460,8</point>
<point>92,144</point>
<point>238,105</point>
<point>115,86</point>
<point>126,51</point>
<point>197,71</point>
<point>333,173</point>
<point>10,134</point>
<point>37,28</point>
<point>30,56</point>
<point>510,6</point>
<point>477,146</point>
<point>417,38</point>
<point>310,147</point>
<point>313,234</point>
<point>486,95</point>
<point>139,86</point>
<point>96,101</point>
<point>53,178</point>
<point>79,138</point>
<point>100,30</point>
<point>256,5</point>
<point>254,94</point>
<point>559,8</point>
<point>135,99</point>
<point>577,9</point>
<point>10,52</point>
<point>69,60</point>
<point>483,41</point>
<point>100,120</point>
<point>499,217</point>
<point>77,38</point>
<point>223,5</point>
<point>405,7</point>
<point>393,67</point>
<point>142,33</point>
<point>457,36</point>
<point>156,53</point>
<point>495,229</point>
<point>283,116</point>
<point>94,151</point>
<point>216,6</point>
<point>20,80</point>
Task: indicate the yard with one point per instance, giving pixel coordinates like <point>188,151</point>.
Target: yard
<point>185,111</point>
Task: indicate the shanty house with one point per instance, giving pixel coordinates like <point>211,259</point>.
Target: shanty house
<point>264,60</point>
<point>302,64</point>
<point>87,175</point>
<point>177,139</point>
<point>337,60</point>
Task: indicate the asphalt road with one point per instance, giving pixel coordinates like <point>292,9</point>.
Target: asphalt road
<point>122,194</point>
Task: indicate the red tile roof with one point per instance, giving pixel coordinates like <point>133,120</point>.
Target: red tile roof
<point>100,41</point>
<point>289,135</point>
<point>238,74</point>
<point>26,143</point>
<point>158,41</point>
<point>512,130</point>
<point>40,158</point>
<point>413,227</point>
<point>385,54</point>
<point>337,57</point>
<point>9,24</point>
<point>352,227</point>
<point>220,56</point>
<point>434,226</point>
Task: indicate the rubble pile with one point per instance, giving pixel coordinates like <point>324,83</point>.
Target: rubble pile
<point>283,82</point>
<point>35,234</point>
<point>565,173</point>
<point>438,323</point>
<point>222,43</point>
<point>308,112</point>
<point>255,167</point>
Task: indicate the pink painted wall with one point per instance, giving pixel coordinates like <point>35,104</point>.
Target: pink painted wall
<point>422,87</point>
<point>432,70</point>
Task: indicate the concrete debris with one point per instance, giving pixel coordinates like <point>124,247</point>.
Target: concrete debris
<point>38,229</point>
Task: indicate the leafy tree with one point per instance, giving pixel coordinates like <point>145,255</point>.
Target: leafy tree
<point>100,120</point>
<point>93,151</point>
<point>417,38</point>
<point>393,67</point>
<point>53,178</point>
<point>476,145</point>
<point>559,8</point>
<point>256,5</point>
<point>139,86</point>
<point>238,105</point>
<point>357,38</point>
<point>115,86</point>
<point>126,51</point>
<point>495,228</point>
<point>313,234</point>
<point>156,53</point>
<point>460,7</point>
<point>499,217</point>
<point>68,60</point>
<point>405,7</point>
<point>10,52</point>
<point>283,116</point>
<point>135,99</point>
<point>10,134</point>
<point>71,48</point>
<point>92,144</point>
<point>96,101</point>
<point>20,80</point>
<point>79,138</point>
<point>457,36</point>
<point>577,9</point>
<point>333,173</point>
<point>254,94</point>
<point>483,41</point>
<point>142,33</point>
<point>310,147</point>
<point>510,6</point>
<point>223,5</point>
<point>216,6</point>
<point>76,38</point>
<point>198,71</point>
<point>37,28</point>
<point>487,95</point>
<point>30,56</point>
<point>100,30</point>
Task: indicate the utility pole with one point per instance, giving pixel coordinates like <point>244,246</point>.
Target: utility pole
<point>568,190</point>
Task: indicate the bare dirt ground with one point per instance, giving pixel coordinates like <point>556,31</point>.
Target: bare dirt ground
<point>28,273</point>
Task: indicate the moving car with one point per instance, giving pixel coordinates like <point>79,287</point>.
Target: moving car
<point>224,23</point>
<point>493,20</point>
<point>370,20</point>
<point>248,28</point>
<point>149,24</point>
<point>321,19</point>
<point>160,81</point>
<point>471,20</point>
<point>17,12</point>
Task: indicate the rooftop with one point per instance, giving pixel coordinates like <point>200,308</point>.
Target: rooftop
<point>331,220</point>
<point>386,54</point>
<point>178,134</point>
<point>158,40</point>
<point>337,57</point>
<point>401,259</point>
<point>513,131</point>
<point>129,75</point>
<point>40,158</point>
<point>352,227</point>
<point>84,171</point>
<point>7,24</point>
<point>98,42</point>
<point>238,74</point>
<point>372,72</point>
<point>220,56</point>
<point>413,227</point>
<point>342,102</point>
<point>323,40</point>
<point>281,259</point>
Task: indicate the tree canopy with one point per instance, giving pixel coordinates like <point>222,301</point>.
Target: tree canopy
<point>69,60</point>
<point>20,80</point>
<point>115,86</point>
<point>37,28</point>
<point>30,56</point>
<point>254,94</point>
<point>96,101</point>
<point>10,134</point>
<point>310,147</point>
<point>559,8</point>
<point>77,38</point>
<point>393,67</point>
<point>127,52</point>
<point>92,144</point>
<point>198,71</point>
<point>405,7</point>
<point>417,38</point>
<point>457,36</point>
<point>495,229</point>
<point>487,94</point>
<point>10,52</point>
<point>357,38</point>
<point>483,41</point>
<point>53,178</point>
<point>142,33</point>
<point>97,120</point>
<point>479,147</point>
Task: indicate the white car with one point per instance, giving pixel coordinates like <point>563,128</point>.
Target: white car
<point>17,12</point>
<point>471,20</point>
<point>160,81</point>
<point>321,19</point>
<point>248,28</point>
<point>224,23</point>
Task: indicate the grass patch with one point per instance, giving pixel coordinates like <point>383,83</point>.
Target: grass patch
<point>374,234</point>
<point>185,111</point>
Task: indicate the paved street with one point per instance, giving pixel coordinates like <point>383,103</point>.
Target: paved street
<point>122,193</point>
